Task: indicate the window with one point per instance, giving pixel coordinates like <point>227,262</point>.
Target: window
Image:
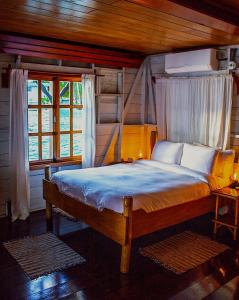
<point>54,118</point>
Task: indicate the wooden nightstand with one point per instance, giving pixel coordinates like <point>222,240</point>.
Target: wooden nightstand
<point>228,220</point>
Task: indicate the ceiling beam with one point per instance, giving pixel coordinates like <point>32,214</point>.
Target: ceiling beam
<point>45,48</point>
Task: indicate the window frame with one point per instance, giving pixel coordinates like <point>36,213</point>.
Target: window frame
<point>57,160</point>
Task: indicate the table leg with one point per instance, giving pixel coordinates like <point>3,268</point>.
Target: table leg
<point>235,234</point>
<point>216,214</point>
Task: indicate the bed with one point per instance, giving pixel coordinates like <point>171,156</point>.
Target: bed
<point>126,201</point>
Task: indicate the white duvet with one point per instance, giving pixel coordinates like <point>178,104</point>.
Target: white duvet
<point>153,185</point>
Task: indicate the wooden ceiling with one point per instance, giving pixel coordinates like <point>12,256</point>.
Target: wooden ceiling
<point>146,26</point>
<point>227,10</point>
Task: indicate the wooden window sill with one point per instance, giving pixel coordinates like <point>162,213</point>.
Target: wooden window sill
<point>40,166</point>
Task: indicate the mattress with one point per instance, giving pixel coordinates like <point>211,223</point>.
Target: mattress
<point>153,185</point>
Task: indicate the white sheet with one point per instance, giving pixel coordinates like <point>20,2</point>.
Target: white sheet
<point>153,185</point>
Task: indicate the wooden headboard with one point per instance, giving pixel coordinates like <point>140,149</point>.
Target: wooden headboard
<point>153,139</point>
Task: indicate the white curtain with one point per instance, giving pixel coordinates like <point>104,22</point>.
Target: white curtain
<point>195,109</point>
<point>89,122</point>
<point>18,146</point>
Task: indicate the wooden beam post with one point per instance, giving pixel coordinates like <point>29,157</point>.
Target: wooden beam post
<point>48,204</point>
<point>126,247</point>
<point>47,172</point>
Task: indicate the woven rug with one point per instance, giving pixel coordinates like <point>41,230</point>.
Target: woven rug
<point>43,254</point>
<point>183,251</point>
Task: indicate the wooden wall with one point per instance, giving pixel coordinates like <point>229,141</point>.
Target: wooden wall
<point>136,141</point>
<point>134,115</point>
<point>4,111</point>
<point>35,176</point>
<point>114,90</point>
<point>158,69</point>
<point>235,112</point>
<point>134,134</point>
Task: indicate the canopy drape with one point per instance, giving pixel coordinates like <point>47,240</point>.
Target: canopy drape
<point>195,109</point>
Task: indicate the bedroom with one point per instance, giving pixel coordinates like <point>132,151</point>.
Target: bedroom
<point>103,92</point>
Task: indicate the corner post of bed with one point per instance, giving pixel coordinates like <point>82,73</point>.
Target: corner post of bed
<point>126,247</point>
<point>48,204</point>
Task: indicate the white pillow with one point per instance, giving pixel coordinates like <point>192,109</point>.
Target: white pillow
<point>167,152</point>
<point>198,158</point>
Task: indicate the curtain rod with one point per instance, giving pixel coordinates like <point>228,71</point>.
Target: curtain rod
<point>168,76</point>
<point>61,73</point>
<point>53,72</point>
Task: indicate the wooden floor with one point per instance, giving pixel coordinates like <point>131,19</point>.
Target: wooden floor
<point>229,291</point>
<point>99,277</point>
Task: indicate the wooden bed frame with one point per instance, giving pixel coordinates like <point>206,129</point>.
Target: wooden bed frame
<point>122,228</point>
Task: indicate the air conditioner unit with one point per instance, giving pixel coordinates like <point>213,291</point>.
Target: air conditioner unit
<point>191,61</point>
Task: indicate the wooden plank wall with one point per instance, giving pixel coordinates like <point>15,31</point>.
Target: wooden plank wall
<point>136,141</point>
<point>235,113</point>
<point>158,69</point>
<point>109,114</point>
<point>35,177</point>
<point>104,131</point>
<point>135,138</point>
<point>4,130</point>
<point>134,113</point>
<point>109,91</point>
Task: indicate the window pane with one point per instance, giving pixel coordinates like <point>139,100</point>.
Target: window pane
<point>47,147</point>
<point>64,119</point>
<point>33,120</point>
<point>65,145</point>
<point>32,92</point>
<point>77,93</point>
<point>47,119</point>
<point>46,92</point>
<point>77,144</point>
<point>64,92</point>
<point>77,119</point>
<point>33,148</point>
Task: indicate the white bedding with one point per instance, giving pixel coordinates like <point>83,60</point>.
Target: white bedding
<point>153,185</point>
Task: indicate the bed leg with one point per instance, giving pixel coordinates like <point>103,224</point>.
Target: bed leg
<point>47,171</point>
<point>125,258</point>
<point>48,204</point>
<point>126,247</point>
<point>49,220</point>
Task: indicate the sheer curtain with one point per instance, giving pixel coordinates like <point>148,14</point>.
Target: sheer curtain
<point>18,146</point>
<point>89,122</point>
<point>195,109</point>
